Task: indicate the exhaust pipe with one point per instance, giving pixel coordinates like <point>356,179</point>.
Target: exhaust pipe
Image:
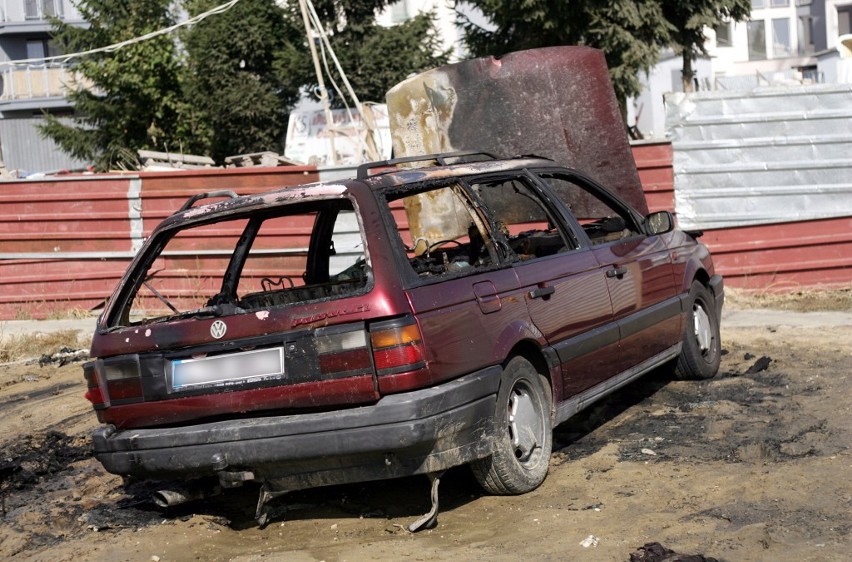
<point>177,496</point>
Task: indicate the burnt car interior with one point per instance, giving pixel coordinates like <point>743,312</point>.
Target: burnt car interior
<point>602,218</point>
<point>445,234</point>
<point>236,264</point>
<point>522,220</point>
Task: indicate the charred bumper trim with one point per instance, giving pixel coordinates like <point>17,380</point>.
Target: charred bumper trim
<point>402,434</point>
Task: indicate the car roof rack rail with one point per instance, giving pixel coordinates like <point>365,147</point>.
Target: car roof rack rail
<point>440,159</point>
<point>207,195</point>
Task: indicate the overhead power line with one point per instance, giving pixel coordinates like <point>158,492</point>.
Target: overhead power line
<point>117,46</point>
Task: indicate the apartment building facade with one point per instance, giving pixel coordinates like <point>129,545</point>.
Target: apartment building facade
<point>28,89</point>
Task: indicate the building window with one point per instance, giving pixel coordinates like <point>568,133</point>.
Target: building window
<point>723,35</point>
<point>844,20</point>
<point>40,48</point>
<point>806,35</point>
<point>781,46</point>
<point>42,9</point>
<point>756,40</point>
<point>779,3</point>
<point>758,4</point>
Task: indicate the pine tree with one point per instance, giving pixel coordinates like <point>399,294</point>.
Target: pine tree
<point>629,32</point>
<point>375,58</point>
<point>129,99</point>
<point>689,19</point>
<point>238,98</point>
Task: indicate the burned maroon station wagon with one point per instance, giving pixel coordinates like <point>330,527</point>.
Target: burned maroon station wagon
<point>435,311</point>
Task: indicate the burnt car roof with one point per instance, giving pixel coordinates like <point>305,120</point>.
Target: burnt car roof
<point>392,175</point>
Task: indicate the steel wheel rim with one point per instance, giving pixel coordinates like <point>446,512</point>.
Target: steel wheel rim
<point>526,427</point>
<point>703,329</point>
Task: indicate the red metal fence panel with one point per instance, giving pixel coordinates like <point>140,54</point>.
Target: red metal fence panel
<point>654,163</point>
<point>65,242</point>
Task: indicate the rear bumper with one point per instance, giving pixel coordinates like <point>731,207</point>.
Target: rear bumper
<point>411,433</point>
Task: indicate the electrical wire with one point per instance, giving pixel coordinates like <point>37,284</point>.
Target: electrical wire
<point>116,46</point>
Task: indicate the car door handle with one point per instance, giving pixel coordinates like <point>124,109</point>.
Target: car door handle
<point>618,272</point>
<point>542,292</point>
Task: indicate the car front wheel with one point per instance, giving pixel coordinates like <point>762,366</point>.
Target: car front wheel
<point>523,436</point>
<point>702,350</point>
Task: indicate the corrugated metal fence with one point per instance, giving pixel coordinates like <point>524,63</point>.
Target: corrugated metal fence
<point>768,175</point>
<point>25,150</point>
<point>64,242</point>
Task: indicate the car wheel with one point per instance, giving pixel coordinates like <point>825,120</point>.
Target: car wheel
<point>523,438</point>
<point>702,350</point>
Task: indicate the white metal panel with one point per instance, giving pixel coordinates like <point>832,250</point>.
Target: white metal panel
<point>770,155</point>
<point>24,149</point>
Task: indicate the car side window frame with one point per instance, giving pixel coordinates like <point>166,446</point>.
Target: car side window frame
<point>550,204</point>
<point>408,275</point>
<point>595,190</point>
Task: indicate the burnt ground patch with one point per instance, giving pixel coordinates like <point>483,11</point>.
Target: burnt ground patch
<point>749,412</point>
<point>25,462</point>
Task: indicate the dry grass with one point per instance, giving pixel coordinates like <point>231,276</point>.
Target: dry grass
<point>15,347</point>
<point>806,300</point>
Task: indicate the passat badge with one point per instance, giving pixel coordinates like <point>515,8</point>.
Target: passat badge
<point>218,329</point>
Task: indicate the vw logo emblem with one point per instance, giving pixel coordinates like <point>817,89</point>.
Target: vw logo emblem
<point>218,329</point>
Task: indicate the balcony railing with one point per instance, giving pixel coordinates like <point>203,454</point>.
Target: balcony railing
<point>36,82</point>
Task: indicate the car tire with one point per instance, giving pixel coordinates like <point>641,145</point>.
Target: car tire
<point>523,436</point>
<point>702,350</point>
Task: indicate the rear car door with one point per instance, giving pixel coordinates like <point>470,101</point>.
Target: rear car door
<point>563,284</point>
<point>458,290</point>
<point>637,267</point>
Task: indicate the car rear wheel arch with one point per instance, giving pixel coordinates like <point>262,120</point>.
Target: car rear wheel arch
<point>522,437</point>
<point>531,352</point>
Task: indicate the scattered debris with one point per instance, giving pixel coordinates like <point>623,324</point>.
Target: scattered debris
<point>265,159</point>
<point>649,452</point>
<point>655,552</point>
<point>29,458</point>
<point>760,365</point>
<point>591,540</point>
<point>63,357</point>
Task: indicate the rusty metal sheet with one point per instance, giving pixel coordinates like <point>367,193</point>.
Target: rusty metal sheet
<point>654,164</point>
<point>785,256</point>
<point>66,241</point>
<point>555,102</point>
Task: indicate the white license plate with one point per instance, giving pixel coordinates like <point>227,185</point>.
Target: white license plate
<point>227,369</point>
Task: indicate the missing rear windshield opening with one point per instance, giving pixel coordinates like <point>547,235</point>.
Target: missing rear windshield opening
<point>301,252</point>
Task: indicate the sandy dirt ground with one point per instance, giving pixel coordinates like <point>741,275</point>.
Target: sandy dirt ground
<point>754,464</point>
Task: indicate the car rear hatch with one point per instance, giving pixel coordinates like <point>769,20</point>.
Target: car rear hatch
<point>246,307</point>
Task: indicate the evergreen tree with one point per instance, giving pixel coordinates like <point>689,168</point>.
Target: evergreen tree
<point>689,18</point>
<point>375,58</point>
<point>629,32</point>
<point>129,99</point>
<point>226,85</point>
<point>238,99</point>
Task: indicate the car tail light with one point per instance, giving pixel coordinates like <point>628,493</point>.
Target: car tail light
<point>123,378</point>
<point>397,346</point>
<point>94,392</point>
<point>343,354</point>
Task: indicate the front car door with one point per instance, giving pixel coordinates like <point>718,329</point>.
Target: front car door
<point>560,279</point>
<point>637,266</point>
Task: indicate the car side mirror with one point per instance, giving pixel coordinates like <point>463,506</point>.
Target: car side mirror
<point>659,222</point>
